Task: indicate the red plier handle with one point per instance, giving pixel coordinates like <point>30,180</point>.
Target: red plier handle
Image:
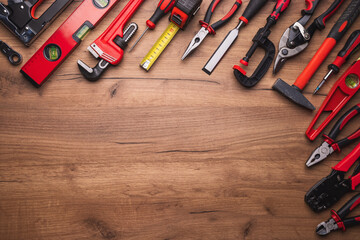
<point>215,26</point>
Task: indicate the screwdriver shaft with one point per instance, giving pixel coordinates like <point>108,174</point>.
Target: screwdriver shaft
<point>137,40</point>
<point>323,81</point>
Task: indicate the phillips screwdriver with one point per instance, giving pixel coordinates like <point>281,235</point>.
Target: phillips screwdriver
<point>351,46</point>
<point>162,9</point>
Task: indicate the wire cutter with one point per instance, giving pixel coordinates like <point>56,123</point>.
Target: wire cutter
<point>338,220</point>
<point>329,145</point>
<point>206,28</point>
<point>296,38</point>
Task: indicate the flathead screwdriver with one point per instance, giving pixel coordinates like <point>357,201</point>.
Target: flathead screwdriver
<point>162,9</point>
<point>351,46</point>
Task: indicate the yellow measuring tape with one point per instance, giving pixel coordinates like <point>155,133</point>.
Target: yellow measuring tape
<point>159,46</point>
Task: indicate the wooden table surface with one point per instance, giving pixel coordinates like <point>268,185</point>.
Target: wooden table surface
<point>168,154</point>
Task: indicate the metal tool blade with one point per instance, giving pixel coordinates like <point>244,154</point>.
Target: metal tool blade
<point>222,49</point>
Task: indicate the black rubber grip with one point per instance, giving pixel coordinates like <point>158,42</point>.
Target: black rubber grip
<point>162,9</point>
<point>311,6</point>
<point>349,206</point>
<point>350,222</point>
<point>228,16</point>
<point>210,10</point>
<point>321,20</point>
<point>345,21</point>
<point>349,45</point>
<point>253,8</point>
<point>340,123</point>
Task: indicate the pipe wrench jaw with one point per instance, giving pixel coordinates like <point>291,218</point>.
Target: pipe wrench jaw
<point>93,74</point>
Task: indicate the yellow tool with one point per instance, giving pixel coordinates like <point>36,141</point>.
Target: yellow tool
<point>182,13</point>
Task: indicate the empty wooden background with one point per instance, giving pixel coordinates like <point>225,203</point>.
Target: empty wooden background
<point>168,154</point>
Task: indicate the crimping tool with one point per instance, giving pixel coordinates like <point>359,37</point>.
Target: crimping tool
<point>19,17</point>
<point>330,189</point>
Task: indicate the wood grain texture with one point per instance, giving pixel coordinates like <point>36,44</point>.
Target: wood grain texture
<point>169,154</point>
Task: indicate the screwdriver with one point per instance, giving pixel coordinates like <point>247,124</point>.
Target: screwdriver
<point>351,46</point>
<point>162,9</point>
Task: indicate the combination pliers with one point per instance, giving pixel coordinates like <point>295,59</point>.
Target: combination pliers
<point>296,38</point>
<point>206,28</point>
<point>329,145</point>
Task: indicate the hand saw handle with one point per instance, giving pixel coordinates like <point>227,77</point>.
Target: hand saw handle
<point>106,44</point>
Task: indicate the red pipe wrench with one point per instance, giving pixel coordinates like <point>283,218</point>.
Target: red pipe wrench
<point>110,46</point>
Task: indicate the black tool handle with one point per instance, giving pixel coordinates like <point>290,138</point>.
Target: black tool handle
<point>227,17</point>
<point>352,45</point>
<point>349,206</point>
<point>311,6</point>
<point>345,21</point>
<point>280,7</point>
<point>321,20</point>
<point>162,9</point>
<point>211,10</point>
<point>348,140</point>
<point>252,9</point>
<point>350,222</point>
<point>341,123</point>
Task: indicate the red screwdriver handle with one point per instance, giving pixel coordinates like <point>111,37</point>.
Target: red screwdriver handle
<point>321,20</point>
<point>162,9</point>
<point>310,7</point>
<point>252,9</point>
<point>227,17</point>
<point>351,46</point>
<point>112,52</point>
<point>280,7</point>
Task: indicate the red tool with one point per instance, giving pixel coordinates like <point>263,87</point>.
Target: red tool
<point>329,145</point>
<point>162,9</point>
<point>112,42</point>
<point>337,32</point>
<point>343,90</point>
<point>330,189</point>
<point>338,220</point>
<point>351,46</point>
<point>65,39</point>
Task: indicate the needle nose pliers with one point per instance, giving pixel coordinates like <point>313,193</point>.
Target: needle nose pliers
<point>206,28</point>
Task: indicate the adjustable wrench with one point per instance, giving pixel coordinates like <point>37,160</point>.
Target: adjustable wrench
<point>110,46</point>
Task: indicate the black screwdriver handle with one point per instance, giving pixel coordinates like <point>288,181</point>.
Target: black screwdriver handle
<point>162,9</point>
<point>311,6</point>
<point>341,123</point>
<point>345,21</point>
<point>252,9</point>
<point>280,7</point>
<point>228,16</point>
<point>321,20</point>
<point>211,10</point>
<point>349,206</point>
<point>352,45</point>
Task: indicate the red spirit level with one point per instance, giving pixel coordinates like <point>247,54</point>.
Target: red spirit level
<point>68,36</point>
<point>19,17</point>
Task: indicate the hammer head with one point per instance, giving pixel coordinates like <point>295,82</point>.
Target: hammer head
<point>293,93</point>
